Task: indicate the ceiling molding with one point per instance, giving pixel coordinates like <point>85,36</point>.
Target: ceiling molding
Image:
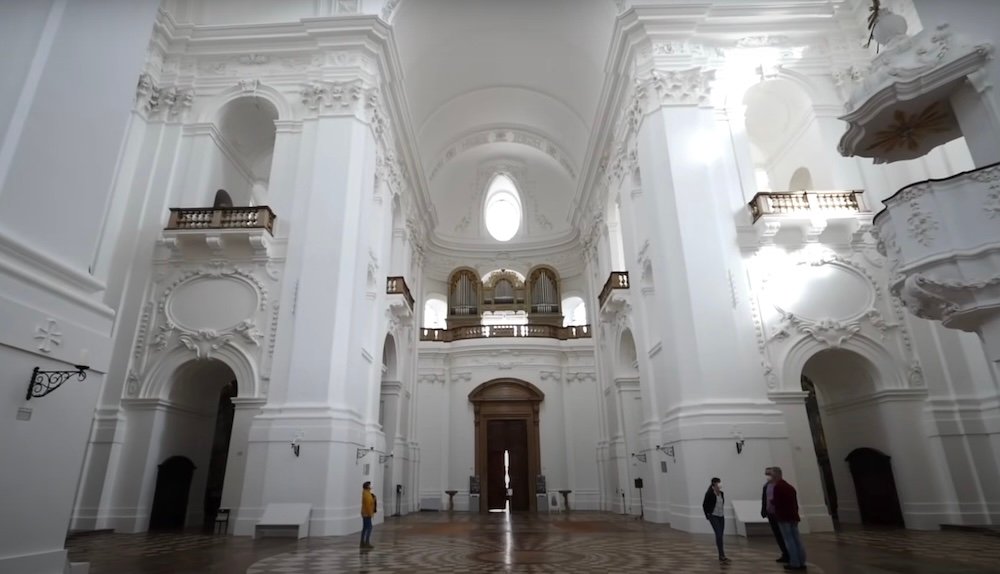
<point>501,134</point>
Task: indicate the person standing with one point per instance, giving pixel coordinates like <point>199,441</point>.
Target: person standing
<point>368,510</point>
<point>714,506</point>
<point>767,511</point>
<point>786,511</point>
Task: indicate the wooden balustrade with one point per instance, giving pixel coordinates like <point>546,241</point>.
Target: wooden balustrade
<point>806,202</point>
<point>397,286</point>
<point>496,331</point>
<point>194,218</point>
<point>617,280</point>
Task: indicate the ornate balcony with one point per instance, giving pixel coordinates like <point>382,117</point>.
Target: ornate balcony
<point>219,229</point>
<point>802,216</point>
<point>498,331</point>
<point>617,280</point>
<point>196,218</point>
<point>397,286</point>
<point>807,203</point>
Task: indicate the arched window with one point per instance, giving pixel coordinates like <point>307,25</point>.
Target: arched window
<point>503,208</point>
<point>574,312</point>
<point>435,313</point>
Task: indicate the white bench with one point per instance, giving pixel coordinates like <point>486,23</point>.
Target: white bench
<point>284,520</point>
<point>748,520</point>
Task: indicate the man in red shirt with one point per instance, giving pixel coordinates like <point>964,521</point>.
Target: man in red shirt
<point>786,512</point>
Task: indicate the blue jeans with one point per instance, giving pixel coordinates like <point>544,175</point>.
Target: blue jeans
<point>719,526</point>
<point>796,552</point>
<point>366,529</point>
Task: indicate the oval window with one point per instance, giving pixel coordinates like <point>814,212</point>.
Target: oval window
<point>503,208</point>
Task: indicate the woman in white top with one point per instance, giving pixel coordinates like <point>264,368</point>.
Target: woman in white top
<point>714,507</point>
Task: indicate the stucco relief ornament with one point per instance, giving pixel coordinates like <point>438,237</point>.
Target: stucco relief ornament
<point>687,87</point>
<point>921,224</point>
<point>48,336</point>
<point>249,331</point>
<point>205,342</point>
<point>131,384</point>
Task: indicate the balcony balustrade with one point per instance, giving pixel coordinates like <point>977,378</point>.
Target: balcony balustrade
<point>807,203</point>
<point>397,286</point>
<point>496,331</point>
<point>200,218</point>
<point>617,280</point>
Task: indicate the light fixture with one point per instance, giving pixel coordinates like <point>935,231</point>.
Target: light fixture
<point>44,382</point>
<point>667,450</point>
<point>363,452</point>
<point>384,457</point>
<point>641,456</point>
<point>739,443</point>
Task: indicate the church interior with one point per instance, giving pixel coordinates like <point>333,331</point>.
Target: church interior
<point>536,270</point>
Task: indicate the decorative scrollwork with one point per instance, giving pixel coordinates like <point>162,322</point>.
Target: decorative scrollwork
<point>44,382</point>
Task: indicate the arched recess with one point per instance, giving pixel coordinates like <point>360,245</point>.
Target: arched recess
<point>888,374</point>
<point>435,312</point>
<point>784,134</point>
<point>222,199</point>
<point>157,383</point>
<point>848,408</point>
<point>627,364</point>
<point>506,420</point>
<point>574,311</point>
<point>615,237</point>
<point>391,407</point>
<point>190,414</point>
<point>802,180</point>
<point>255,90</point>
<point>627,414</point>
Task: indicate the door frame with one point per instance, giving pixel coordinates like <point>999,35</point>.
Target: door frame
<point>507,399</point>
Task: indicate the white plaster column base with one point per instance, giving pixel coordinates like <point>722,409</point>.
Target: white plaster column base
<point>327,473</point>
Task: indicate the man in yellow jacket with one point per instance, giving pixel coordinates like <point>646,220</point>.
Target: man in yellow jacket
<point>369,506</point>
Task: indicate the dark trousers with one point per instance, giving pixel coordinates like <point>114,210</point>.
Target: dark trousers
<point>719,526</point>
<point>366,529</point>
<point>777,535</point>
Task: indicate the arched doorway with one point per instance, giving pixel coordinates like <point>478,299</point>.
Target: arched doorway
<point>508,454</point>
<point>851,435</point>
<point>875,486</point>
<point>170,499</point>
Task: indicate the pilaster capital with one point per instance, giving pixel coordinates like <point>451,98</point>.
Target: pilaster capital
<point>354,97</point>
<point>161,102</point>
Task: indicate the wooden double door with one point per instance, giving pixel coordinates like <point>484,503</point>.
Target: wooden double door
<point>508,437</point>
<point>507,422</point>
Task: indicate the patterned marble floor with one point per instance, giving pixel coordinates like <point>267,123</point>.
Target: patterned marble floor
<point>579,544</point>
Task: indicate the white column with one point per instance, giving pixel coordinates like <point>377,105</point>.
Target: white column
<point>321,375</point>
<point>64,110</point>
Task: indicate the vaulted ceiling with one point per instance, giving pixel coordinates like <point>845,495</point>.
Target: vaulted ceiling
<point>508,86</point>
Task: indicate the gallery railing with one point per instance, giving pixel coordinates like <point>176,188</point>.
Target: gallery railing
<point>256,217</point>
<point>617,280</point>
<point>806,202</point>
<point>397,286</point>
<point>495,331</point>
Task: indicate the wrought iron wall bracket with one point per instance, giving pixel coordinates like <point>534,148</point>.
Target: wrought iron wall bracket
<point>44,382</point>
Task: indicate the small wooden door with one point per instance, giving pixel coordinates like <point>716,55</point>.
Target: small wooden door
<point>170,500</point>
<point>875,486</point>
